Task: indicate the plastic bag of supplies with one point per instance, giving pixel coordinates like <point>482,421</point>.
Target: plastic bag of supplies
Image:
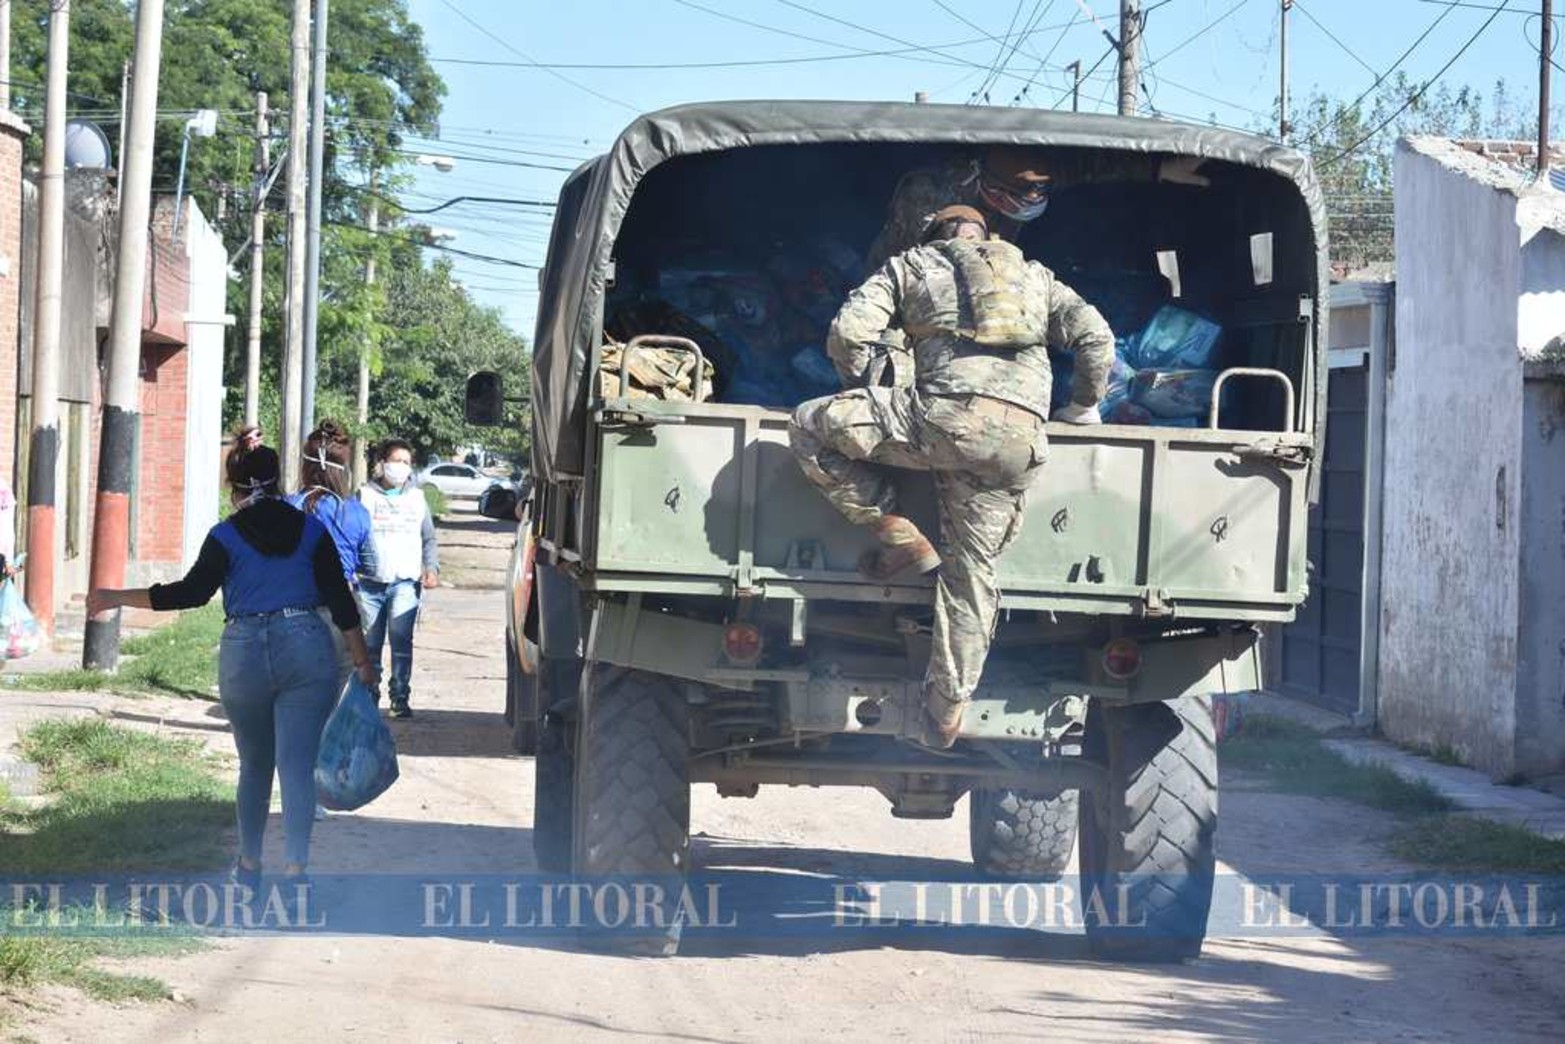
<point>16,620</point>
<point>358,759</point>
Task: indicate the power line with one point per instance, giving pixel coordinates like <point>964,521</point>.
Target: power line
<point>493,160</point>
<point>1315,137</point>
<point>1297,6</point>
<point>1412,98</point>
<point>1193,37</point>
<point>454,201</point>
<point>534,62</point>
<point>1095,65</point>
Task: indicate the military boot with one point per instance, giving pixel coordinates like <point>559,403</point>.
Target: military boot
<point>904,547</point>
<point>942,721</point>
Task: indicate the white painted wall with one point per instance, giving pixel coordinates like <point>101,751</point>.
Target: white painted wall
<point>204,404</point>
<point>1450,595</point>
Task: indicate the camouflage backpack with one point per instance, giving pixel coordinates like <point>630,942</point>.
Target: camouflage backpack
<point>976,290</point>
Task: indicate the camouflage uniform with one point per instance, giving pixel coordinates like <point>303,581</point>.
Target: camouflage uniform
<point>974,418</point>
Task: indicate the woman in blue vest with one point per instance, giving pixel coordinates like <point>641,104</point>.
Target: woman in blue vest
<point>277,674</point>
<point>327,495</point>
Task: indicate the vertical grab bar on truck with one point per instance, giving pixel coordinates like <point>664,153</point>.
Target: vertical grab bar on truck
<point>679,344</point>
<point>1253,371</point>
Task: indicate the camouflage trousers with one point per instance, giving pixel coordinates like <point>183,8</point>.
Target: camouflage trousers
<point>982,454</point>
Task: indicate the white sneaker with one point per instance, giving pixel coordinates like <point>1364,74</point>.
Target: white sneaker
<point>320,812</point>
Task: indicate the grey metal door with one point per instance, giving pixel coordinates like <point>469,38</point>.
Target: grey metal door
<point>1321,648</point>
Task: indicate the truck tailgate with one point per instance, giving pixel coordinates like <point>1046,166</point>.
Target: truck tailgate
<point>1195,523</point>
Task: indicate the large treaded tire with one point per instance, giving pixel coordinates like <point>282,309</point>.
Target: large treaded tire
<point>554,788</point>
<point>633,791</point>
<point>521,699</point>
<point>1151,837</point>
<point>1021,836</point>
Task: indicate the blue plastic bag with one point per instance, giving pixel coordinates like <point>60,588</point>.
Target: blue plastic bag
<point>19,628</point>
<point>358,758</point>
<point>1176,340</point>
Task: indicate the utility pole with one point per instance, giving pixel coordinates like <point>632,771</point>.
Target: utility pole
<point>1283,127</point>
<point>360,464</point>
<point>1129,54</point>
<point>121,413</point>
<point>5,54</point>
<point>288,442</point>
<point>119,152</point>
<point>1075,69</point>
<point>44,444</point>
<point>263,164</point>
<point>1545,45</point>
<point>312,257</point>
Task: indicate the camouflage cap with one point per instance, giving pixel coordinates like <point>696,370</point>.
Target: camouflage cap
<point>956,212</point>
<point>1016,166</point>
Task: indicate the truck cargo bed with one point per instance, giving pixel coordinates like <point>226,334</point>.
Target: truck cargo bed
<point>1188,523</point>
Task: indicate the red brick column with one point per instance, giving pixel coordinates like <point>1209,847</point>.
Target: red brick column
<point>13,132</point>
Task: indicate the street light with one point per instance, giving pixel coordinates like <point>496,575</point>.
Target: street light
<point>444,164</point>
<point>203,125</point>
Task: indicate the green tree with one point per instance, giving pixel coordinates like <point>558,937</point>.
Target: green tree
<point>216,55</point>
<point>433,335</point>
<point>1353,145</point>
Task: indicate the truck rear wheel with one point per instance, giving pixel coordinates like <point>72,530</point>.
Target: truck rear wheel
<point>1148,849</point>
<point>633,796</point>
<point>554,781</point>
<point>521,696</point>
<point>1021,835</point>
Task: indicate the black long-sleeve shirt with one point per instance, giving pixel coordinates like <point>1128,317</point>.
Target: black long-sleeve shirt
<point>273,528</point>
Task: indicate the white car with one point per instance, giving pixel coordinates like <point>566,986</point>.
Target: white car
<point>456,480</point>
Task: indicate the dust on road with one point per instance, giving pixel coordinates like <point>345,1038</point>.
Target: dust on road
<point>464,804</point>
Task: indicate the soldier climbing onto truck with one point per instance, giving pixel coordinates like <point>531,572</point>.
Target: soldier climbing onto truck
<point>979,319</point>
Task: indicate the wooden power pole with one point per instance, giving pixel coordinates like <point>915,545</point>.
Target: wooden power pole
<point>1129,54</point>
<point>122,399</point>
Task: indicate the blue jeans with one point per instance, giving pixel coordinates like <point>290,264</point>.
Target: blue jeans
<point>278,678</point>
<point>391,610</point>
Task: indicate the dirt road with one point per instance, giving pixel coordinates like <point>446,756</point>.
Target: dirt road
<point>463,806</point>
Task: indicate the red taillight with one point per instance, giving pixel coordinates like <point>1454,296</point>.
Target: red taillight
<point>742,644</point>
<point>1122,659</point>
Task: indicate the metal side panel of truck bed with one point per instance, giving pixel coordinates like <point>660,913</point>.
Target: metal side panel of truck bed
<point>1196,524</point>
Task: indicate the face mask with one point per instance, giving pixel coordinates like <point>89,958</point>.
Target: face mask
<point>1007,202</point>
<point>396,472</point>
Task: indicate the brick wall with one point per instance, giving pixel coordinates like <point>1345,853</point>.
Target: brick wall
<point>167,293</point>
<point>1519,154</point>
<point>12,133</point>
<point>161,479</point>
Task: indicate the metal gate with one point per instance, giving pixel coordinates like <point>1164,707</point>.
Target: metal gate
<point>1321,649</point>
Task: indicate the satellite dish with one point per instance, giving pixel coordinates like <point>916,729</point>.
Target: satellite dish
<point>86,146</point>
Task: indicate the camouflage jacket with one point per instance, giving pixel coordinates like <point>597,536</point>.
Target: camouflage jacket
<point>948,363</point>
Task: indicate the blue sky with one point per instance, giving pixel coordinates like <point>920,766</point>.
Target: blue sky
<point>1206,58</point>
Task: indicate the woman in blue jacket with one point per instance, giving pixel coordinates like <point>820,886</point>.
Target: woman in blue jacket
<point>277,674</point>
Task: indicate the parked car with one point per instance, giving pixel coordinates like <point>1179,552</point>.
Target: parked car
<point>498,501</point>
<point>456,480</point>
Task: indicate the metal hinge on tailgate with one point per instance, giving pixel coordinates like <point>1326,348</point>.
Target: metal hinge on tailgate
<point>1275,451</point>
<point>1156,603</point>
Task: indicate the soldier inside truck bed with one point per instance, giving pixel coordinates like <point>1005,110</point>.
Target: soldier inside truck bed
<point>978,319</point>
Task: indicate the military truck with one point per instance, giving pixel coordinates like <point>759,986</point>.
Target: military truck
<point>685,608</point>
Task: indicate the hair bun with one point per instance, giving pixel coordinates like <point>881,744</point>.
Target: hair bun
<point>330,431</point>
<point>249,438</point>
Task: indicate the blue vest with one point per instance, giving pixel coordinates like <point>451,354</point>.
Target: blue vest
<point>258,583</point>
<point>348,523</point>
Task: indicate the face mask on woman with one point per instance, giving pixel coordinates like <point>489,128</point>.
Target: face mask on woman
<point>396,472</point>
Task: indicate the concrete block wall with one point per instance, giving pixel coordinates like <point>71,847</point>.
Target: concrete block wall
<point>1448,646</point>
